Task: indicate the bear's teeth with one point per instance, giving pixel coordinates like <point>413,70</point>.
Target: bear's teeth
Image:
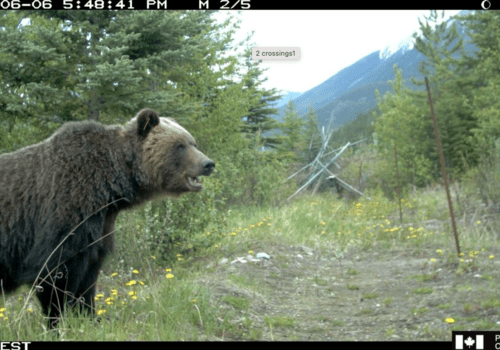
<point>195,180</point>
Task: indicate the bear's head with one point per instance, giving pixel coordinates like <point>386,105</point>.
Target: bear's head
<point>170,155</point>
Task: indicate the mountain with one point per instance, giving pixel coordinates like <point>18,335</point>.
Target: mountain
<point>351,91</point>
<point>289,95</point>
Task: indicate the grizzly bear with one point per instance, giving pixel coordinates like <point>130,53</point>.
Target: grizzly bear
<point>59,200</point>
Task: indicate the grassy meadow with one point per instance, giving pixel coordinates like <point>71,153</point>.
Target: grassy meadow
<point>328,274</point>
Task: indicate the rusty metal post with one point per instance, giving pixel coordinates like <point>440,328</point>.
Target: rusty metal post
<point>398,190</point>
<point>443,168</point>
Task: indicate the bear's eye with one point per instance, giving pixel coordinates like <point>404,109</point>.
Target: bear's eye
<point>180,146</point>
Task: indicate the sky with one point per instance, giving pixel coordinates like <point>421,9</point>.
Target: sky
<point>329,40</point>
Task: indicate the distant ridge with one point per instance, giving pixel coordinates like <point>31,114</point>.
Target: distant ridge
<point>351,91</point>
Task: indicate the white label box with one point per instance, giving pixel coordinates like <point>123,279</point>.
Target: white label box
<point>276,53</point>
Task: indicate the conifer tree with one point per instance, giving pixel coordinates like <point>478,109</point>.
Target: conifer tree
<point>483,77</point>
<point>402,124</point>
<point>81,64</point>
<point>311,135</point>
<point>293,134</point>
<point>259,119</point>
<point>444,48</point>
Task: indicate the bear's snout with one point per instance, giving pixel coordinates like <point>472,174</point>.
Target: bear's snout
<point>208,167</point>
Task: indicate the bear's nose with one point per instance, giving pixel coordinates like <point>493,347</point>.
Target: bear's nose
<point>208,166</point>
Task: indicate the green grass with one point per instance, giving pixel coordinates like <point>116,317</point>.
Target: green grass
<point>157,307</point>
<point>240,303</point>
<point>279,321</point>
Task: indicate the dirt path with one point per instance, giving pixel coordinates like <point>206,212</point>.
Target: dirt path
<point>375,296</point>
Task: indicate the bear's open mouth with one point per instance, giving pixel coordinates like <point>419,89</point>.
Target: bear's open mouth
<point>194,183</point>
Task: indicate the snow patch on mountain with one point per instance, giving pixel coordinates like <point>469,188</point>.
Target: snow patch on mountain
<point>355,81</point>
<point>402,46</point>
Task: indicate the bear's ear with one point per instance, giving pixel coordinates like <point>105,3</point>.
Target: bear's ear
<point>146,120</point>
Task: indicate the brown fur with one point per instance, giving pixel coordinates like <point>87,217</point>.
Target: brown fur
<point>59,200</point>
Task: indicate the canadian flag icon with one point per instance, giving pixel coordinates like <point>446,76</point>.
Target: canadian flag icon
<point>470,342</point>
